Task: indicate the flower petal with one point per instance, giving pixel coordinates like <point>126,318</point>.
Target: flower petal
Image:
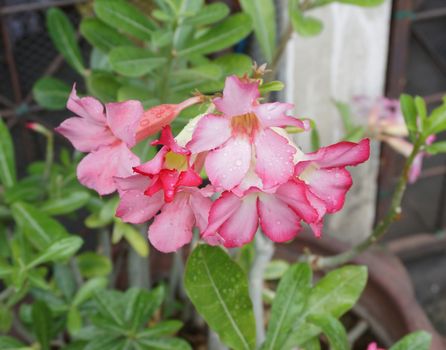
<point>123,119</point>
<point>166,139</point>
<point>85,135</point>
<point>201,206</point>
<point>226,166</point>
<point>172,228</point>
<point>98,169</point>
<point>240,228</point>
<point>293,194</point>
<point>274,155</point>
<point>274,114</point>
<point>154,165</point>
<point>278,221</point>
<point>86,107</point>
<point>134,206</point>
<point>210,132</point>
<point>238,97</point>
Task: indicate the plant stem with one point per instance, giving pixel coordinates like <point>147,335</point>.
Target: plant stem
<point>49,155</point>
<point>380,229</point>
<point>76,272</point>
<point>264,250</point>
<point>138,267</point>
<point>283,41</point>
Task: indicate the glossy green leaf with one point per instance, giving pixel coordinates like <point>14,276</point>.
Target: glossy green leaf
<point>65,280</point>
<point>124,17</point>
<point>436,122</point>
<point>27,189</point>
<point>60,250</point>
<point>66,204</point>
<point>134,61</point>
<point>103,85</point>
<point>184,31</point>
<point>314,137</point>
<point>275,269</point>
<point>420,340</point>
<point>291,297</point>
<point>64,38</point>
<point>99,61</point>
<point>51,93</point>
<point>234,63</point>
<point>93,265</point>
<point>227,33</point>
<point>218,288</point>
<point>333,329</point>
<point>39,228</point>
<point>306,26</point>
<point>409,111</point>
<point>42,324</point>
<point>74,320</point>
<point>338,291</point>
<point>346,115</point>
<point>141,305</point>
<point>106,214</point>
<point>263,16</point>
<point>88,289</point>
<point>101,35</point>
<point>356,134</point>
<point>312,344</point>
<point>208,14</point>
<point>164,344</point>
<point>7,160</point>
<point>136,240</point>
<point>109,305</point>
<point>271,86</point>
<point>436,148</point>
<point>9,343</point>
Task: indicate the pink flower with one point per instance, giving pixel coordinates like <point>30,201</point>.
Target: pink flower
<point>374,346</point>
<point>318,186</point>
<point>169,184</point>
<point>107,135</point>
<point>241,135</point>
<point>325,179</point>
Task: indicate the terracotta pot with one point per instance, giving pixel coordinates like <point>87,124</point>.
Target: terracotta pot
<point>388,303</point>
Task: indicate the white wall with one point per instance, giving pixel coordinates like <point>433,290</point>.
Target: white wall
<point>348,58</point>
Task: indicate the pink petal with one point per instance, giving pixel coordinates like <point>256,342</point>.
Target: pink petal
<point>240,228</point>
<point>98,169</point>
<point>274,158</point>
<point>190,178</point>
<point>221,210</point>
<point>293,194</point>
<point>86,135</point>
<point>274,114</point>
<point>86,107</point>
<point>123,119</point>
<point>278,221</point>
<point>338,155</point>
<point>154,165</point>
<point>166,139</point>
<point>331,186</point>
<point>318,225</point>
<point>226,166</point>
<point>201,206</point>
<point>172,228</point>
<point>134,206</point>
<point>238,97</point>
<point>211,131</point>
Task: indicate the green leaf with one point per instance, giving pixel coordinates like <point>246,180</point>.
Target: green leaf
<point>74,320</point>
<point>42,324</point>
<point>65,280</point>
<point>218,288</point>
<point>161,329</point>
<point>346,115</point>
<point>409,111</point>
<point>314,137</point>
<point>141,305</point>
<point>40,229</point>
<point>7,159</point>
<point>312,344</point>
<point>134,61</point>
<point>275,269</point>
<point>338,291</point>
<point>108,303</point>
<point>27,189</point>
<point>333,329</point>
<point>124,17</point>
<point>234,64</point>
<point>103,85</point>
<point>136,240</point>
<point>93,265</point>
<point>364,3</point>
<point>5,318</point>
<point>420,340</point>
<point>181,10</point>
<point>223,35</point>
<point>208,14</point>
<point>102,36</point>
<point>88,289</point>
<point>164,344</point>
<point>356,134</point>
<point>51,93</point>
<point>304,25</point>
<point>66,204</point>
<point>271,86</point>
<point>64,38</point>
<point>9,343</point>
<point>263,16</point>
<point>436,122</point>
<point>290,300</point>
<point>436,148</point>
<point>60,250</point>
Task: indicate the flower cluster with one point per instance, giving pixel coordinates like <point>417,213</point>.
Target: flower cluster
<point>257,175</point>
